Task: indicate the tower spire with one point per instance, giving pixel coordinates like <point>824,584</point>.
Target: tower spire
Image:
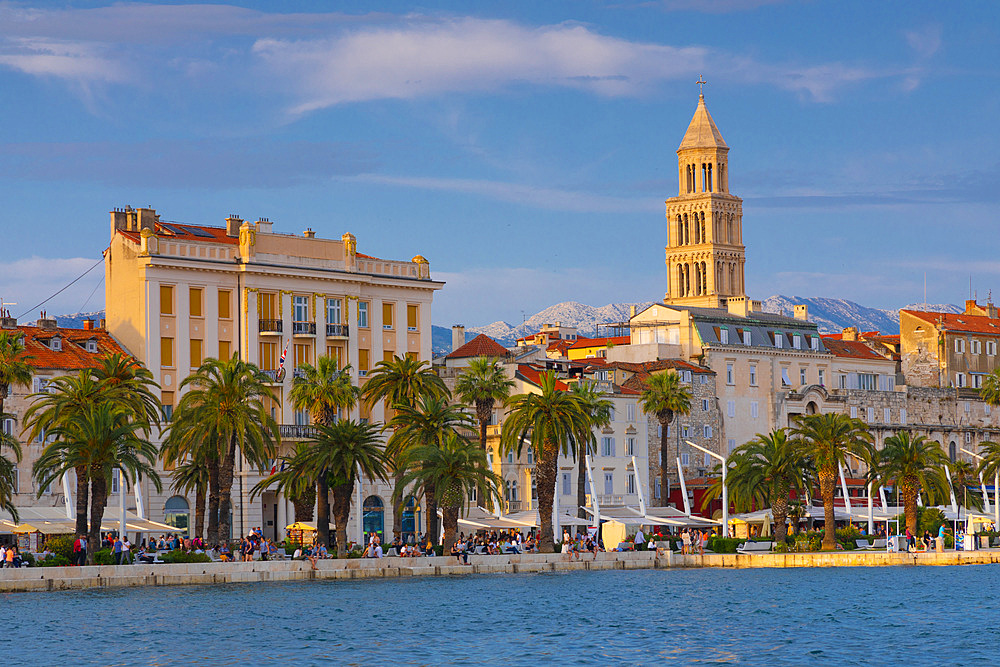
<point>701,86</point>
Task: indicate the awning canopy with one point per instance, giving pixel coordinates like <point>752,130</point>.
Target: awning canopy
<point>480,519</point>
<point>530,518</point>
<point>53,521</point>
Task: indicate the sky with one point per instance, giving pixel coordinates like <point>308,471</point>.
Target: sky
<point>524,148</point>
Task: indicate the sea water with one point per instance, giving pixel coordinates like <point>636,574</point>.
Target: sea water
<point>884,615</point>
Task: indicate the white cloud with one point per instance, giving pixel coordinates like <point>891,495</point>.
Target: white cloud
<point>529,195</point>
<point>72,61</point>
<point>924,41</point>
<point>31,280</point>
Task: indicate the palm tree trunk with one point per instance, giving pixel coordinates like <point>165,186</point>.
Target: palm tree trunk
<point>323,510</point>
<point>779,510</point>
<point>199,512</point>
<point>664,458</point>
<point>98,501</point>
<point>341,513</point>
<point>908,490</point>
<point>213,502</point>
<point>545,476</point>
<point>480,412</point>
<point>430,502</point>
<point>226,474</point>
<point>397,508</point>
<point>449,521</point>
<point>581,484</point>
<point>82,482</point>
<point>827,484</point>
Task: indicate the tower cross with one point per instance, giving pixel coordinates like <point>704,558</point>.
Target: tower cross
<point>701,84</point>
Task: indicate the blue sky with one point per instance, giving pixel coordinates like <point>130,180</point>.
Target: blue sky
<point>524,148</point>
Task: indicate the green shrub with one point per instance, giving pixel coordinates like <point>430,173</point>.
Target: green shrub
<point>55,560</point>
<point>61,545</point>
<point>290,547</point>
<point>28,558</point>
<point>181,556</point>
<point>104,557</point>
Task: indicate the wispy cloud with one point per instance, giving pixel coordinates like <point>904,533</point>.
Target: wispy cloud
<point>529,195</point>
<point>712,6</point>
<point>31,280</point>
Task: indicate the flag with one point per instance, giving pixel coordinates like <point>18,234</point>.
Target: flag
<point>274,466</point>
<point>284,353</point>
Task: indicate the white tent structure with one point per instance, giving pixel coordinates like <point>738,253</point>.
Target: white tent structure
<point>53,521</point>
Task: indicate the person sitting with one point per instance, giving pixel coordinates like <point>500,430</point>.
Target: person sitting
<point>459,553</point>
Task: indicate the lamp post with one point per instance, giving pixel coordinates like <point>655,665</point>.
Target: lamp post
<point>996,492</point>
<point>725,489</point>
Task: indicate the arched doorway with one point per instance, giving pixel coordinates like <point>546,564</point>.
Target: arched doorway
<point>177,513</point>
<point>373,518</point>
<point>811,408</point>
<point>952,451</point>
<point>411,520</point>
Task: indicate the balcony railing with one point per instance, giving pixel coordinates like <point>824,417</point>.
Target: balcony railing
<point>515,505</point>
<point>296,431</point>
<point>269,326</point>
<point>303,328</point>
<point>336,331</point>
<point>272,375</point>
<point>298,373</point>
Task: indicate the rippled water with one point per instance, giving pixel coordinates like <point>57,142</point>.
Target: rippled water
<point>889,615</point>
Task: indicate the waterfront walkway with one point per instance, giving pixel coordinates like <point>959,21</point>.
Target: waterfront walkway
<point>104,576</point>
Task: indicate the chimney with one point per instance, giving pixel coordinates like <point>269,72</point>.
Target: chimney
<point>457,337</point>
<point>631,311</point>
<point>737,305</point>
<point>233,223</point>
<point>6,321</point>
<point>102,324</point>
<point>263,226</point>
<point>850,333</point>
<point>88,325</point>
<point>119,220</point>
<point>802,312</point>
<point>46,322</point>
<point>147,219</point>
<point>309,233</point>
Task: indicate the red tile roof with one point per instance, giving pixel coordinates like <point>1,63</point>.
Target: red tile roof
<point>533,375</point>
<point>595,342</point>
<point>183,233</point>
<point>560,345</point>
<point>72,356</point>
<point>480,346</point>
<point>958,321</point>
<point>852,349</point>
<point>653,366</point>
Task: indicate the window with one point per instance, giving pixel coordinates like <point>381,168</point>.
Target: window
<point>729,374</point>
<point>959,345</point>
<point>611,413</point>
<point>730,408</point>
<point>731,445</point>
<point>684,431</point>
<point>977,380</point>
<point>707,431</point>
<point>267,305</point>
<point>704,405</point>
<point>363,314</point>
<point>167,403</point>
<point>778,339</point>
<point>225,350</point>
<point>167,352</point>
<point>685,459</point>
<point>704,379</point>
<point>802,377</point>
<point>986,409</point>
<point>56,344</point>
<point>754,410</point>
<point>333,311</point>
<point>753,375</point>
<point>814,343</point>
<point>630,412</point>
<point>724,336</point>
<point>867,381</point>
<point>166,300</point>
<point>656,488</point>
<point>268,356</point>
<point>196,353</point>
<point>607,446</point>
<point>194,294</point>
<point>854,412</point>
<point>968,407</point>
<point>301,417</point>
<point>886,415</point>
<point>842,381</point>
<point>302,354</point>
<point>797,342</point>
<point>363,361</point>
<point>16,479</point>
<point>225,304</point>
<point>411,318</point>
<point>959,379</point>
<point>567,484</point>
<point>387,311</point>
<point>630,483</point>
<point>336,353</point>
<point>977,347</point>
<point>871,415</point>
<point>7,426</point>
<point>114,481</point>
<point>512,490</point>
<point>991,347</point>
<point>746,338</point>
<point>629,446</point>
<point>902,416</point>
<point>822,378</point>
<point>785,382</point>
<point>968,438</point>
<point>300,308</point>
<point>609,483</point>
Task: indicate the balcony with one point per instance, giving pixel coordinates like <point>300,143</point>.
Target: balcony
<point>336,331</point>
<point>298,373</point>
<point>515,506</point>
<point>273,376</point>
<point>296,431</point>
<point>269,327</point>
<point>303,328</point>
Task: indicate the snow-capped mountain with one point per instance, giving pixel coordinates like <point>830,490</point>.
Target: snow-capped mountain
<point>834,315</point>
<point>568,313</point>
<point>75,320</point>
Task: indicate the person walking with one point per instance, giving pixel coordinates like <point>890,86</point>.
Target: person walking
<point>117,548</point>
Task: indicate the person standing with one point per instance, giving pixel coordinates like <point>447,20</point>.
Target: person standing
<point>118,550</point>
<point>940,544</point>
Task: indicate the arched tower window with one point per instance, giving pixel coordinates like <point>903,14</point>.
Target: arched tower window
<point>680,231</point>
<point>729,229</point>
<point>709,179</point>
<point>704,238</point>
<point>680,281</point>
<point>687,280</point>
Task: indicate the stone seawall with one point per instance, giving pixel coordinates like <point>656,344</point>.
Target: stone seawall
<point>107,576</point>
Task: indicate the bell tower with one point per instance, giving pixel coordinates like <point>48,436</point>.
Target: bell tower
<point>705,253</point>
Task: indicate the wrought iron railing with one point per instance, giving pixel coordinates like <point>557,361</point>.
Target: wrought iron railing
<point>337,330</point>
<point>303,328</point>
<point>269,326</point>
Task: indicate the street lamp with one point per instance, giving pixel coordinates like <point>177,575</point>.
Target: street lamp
<point>725,489</point>
<point>996,491</point>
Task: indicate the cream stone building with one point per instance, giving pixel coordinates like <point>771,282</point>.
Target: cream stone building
<point>179,293</point>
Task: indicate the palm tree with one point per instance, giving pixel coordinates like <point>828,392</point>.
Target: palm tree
<point>223,412</point>
<point>552,422</point>
<point>129,384</point>
<point>762,473</point>
<point>15,366</point>
<point>8,471</point>
<point>664,397</point>
<point>828,439</point>
<point>323,390</point>
<point>990,391</point>
<point>914,463</point>
<point>962,472</point>
<point>398,383</point>
<point>449,470</point>
<point>295,480</point>
<point>191,478</point>
<point>989,464</point>
<point>598,411</point>
<point>341,451</point>
<point>104,436</point>
<point>429,423</point>
<point>482,384</point>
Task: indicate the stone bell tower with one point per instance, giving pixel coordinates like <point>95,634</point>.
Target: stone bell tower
<point>705,253</point>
